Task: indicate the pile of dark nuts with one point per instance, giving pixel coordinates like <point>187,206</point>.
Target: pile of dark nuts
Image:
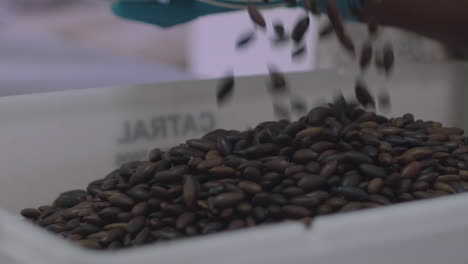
<point>337,158</point>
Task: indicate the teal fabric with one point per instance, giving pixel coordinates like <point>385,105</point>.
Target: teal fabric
<point>164,15</point>
<point>344,7</point>
<point>181,11</point>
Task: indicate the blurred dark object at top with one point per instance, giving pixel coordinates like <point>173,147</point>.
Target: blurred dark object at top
<point>458,53</point>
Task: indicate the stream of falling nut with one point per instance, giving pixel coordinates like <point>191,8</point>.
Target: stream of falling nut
<point>367,56</point>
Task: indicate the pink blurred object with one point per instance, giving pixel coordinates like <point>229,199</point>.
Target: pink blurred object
<point>40,62</point>
<point>38,4</point>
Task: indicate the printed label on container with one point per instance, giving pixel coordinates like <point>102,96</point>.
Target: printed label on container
<point>162,131</point>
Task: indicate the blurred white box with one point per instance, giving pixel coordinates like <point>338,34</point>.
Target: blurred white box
<point>212,44</point>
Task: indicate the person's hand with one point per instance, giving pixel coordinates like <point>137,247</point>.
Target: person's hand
<point>176,12</point>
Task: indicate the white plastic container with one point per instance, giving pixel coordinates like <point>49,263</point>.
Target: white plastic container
<point>59,141</point>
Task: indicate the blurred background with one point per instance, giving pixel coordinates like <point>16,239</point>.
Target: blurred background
<point>48,45</point>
